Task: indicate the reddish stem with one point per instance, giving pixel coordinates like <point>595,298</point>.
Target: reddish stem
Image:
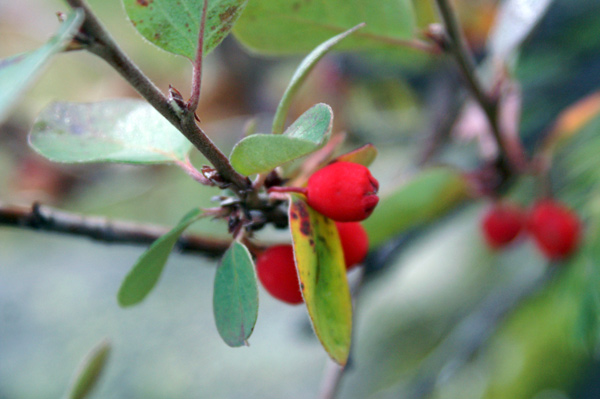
<point>278,189</point>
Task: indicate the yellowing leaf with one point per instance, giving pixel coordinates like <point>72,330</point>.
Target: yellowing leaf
<point>320,262</point>
<point>364,155</point>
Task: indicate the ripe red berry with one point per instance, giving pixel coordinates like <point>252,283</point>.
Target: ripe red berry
<point>277,272</point>
<point>343,191</point>
<point>502,224</point>
<point>555,228</point>
<point>355,242</point>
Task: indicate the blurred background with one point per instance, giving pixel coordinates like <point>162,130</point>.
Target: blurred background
<point>427,318</point>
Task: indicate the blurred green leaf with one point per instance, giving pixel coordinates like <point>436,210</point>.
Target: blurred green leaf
<point>235,296</point>
<point>17,72</point>
<point>364,155</point>
<point>125,130</point>
<point>283,27</point>
<point>262,152</point>
<point>173,25</point>
<point>89,371</point>
<point>515,20</point>
<point>320,262</point>
<point>145,273</point>
<point>428,196</point>
<point>299,77</point>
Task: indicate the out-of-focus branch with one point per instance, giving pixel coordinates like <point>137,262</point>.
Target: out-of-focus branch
<point>44,218</point>
<point>457,47</point>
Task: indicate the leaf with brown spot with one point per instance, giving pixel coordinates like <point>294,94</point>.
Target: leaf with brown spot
<point>173,25</point>
<point>320,262</point>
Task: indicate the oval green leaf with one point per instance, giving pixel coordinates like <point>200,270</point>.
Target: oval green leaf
<point>173,25</point>
<point>17,72</point>
<point>235,296</point>
<point>322,272</point>
<point>126,131</point>
<point>283,27</point>
<point>89,371</point>
<point>300,76</point>
<point>364,155</point>
<point>429,195</point>
<point>260,153</point>
<point>145,273</point>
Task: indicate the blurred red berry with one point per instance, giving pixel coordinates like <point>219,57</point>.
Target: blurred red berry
<point>276,271</point>
<point>355,242</point>
<point>502,224</point>
<point>555,228</point>
<point>343,191</point>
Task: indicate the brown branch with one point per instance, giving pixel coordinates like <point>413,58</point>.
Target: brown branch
<point>457,46</point>
<point>94,37</point>
<point>44,218</point>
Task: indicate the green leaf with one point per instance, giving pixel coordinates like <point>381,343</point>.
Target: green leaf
<point>89,371</point>
<point>283,26</point>
<point>300,76</point>
<point>126,130</point>
<point>145,273</point>
<point>173,25</point>
<point>320,262</point>
<point>364,155</point>
<point>235,296</point>
<point>429,195</point>
<point>17,72</point>
<point>260,153</point>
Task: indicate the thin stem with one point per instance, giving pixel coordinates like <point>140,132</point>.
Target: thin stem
<point>99,42</point>
<point>286,189</point>
<point>462,55</point>
<point>44,218</point>
<point>192,104</point>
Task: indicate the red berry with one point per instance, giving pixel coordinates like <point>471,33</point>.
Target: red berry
<point>355,242</point>
<point>502,224</point>
<point>276,271</point>
<point>555,229</point>
<point>343,191</point>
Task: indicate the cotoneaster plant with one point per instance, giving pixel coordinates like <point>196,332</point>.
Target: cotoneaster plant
<point>555,228</point>
<point>343,191</point>
<point>276,271</point>
<point>502,223</point>
<point>355,242</point>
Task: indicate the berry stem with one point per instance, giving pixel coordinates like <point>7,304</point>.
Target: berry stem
<point>278,189</point>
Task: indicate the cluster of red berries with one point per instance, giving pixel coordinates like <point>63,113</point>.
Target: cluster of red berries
<point>554,227</point>
<point>344,192</point>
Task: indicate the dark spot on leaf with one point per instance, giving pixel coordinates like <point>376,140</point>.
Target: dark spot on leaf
<point>187,25</point>
<point>311,242</point>
<point>156,36</point>
<point>143,3</point>
<point>302,286</point>
<point>227,14</point>
<point>295,6</point>
<point>294,215</point>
